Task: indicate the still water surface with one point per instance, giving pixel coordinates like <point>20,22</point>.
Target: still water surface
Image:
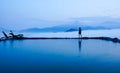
<point>60,56</point>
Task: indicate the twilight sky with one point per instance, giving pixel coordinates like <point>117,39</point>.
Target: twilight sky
<point>20,14</point>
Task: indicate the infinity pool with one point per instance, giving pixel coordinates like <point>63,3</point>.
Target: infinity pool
<point>59,56</point>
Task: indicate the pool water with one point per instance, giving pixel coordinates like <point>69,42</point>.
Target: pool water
<point>59,56</point>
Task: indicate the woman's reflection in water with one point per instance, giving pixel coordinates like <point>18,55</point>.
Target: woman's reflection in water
<point>79,45</point>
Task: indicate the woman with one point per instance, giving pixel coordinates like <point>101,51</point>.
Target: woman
<point>80,32</point>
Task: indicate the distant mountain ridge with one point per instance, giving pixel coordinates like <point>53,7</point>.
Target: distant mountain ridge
<point>65,28</point>
<point>86,23</point>
<point>71,30</point>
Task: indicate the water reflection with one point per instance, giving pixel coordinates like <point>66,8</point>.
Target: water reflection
<point>11,43</point>
<point>79,45</point>
<point>62,55</point>
<point>4,43</point>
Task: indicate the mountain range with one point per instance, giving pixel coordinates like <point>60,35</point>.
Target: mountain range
<point>62,28</point>
<point>86,23</point>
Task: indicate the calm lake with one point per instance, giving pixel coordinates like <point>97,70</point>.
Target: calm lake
<point>59,56</point>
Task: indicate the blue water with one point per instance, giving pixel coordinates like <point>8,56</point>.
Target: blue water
<point>59,56</point>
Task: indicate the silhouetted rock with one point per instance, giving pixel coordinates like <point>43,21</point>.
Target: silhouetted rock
<point>115,40</point>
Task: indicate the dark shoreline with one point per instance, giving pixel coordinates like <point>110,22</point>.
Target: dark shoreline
<point>115,40</point>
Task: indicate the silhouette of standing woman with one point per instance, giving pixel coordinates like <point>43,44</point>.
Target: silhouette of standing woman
<point>80,32</point>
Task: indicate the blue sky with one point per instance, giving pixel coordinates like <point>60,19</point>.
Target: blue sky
<point>18,14</point>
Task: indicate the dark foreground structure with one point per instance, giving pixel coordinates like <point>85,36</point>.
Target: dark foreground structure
<point>115,40</point>
<point>12,36</point>
<point>21,37</point>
